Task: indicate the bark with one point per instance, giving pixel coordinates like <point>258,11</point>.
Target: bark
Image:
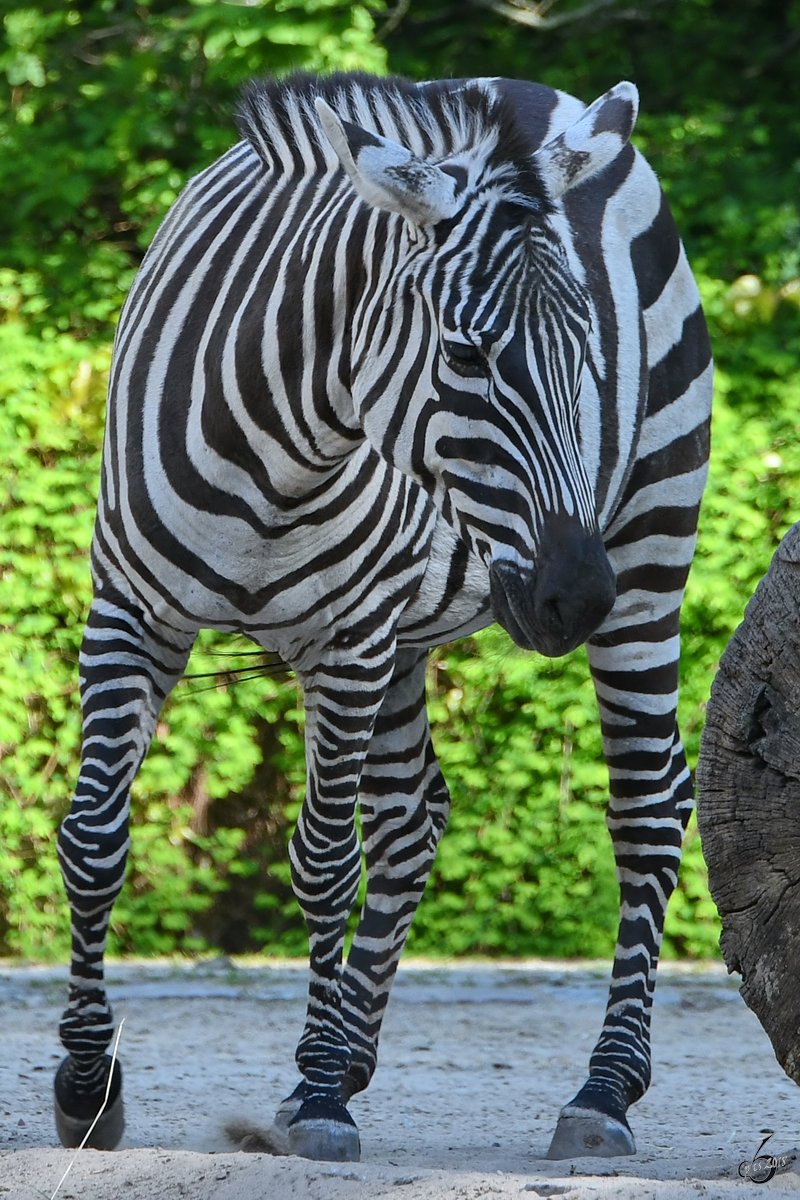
<point>748,777</point>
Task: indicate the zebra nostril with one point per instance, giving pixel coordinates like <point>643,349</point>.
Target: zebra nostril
<point>552,614</point>
<point>567,620</point>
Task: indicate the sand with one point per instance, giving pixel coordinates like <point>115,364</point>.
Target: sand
<point>476,1061</point>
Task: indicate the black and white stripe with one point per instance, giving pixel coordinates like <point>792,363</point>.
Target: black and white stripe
<point>408,359</point>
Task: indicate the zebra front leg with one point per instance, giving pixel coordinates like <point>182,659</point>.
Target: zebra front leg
<point>651,800</point>
<point>404,806</point>
<point>126,672</point>
<point>342,702</point>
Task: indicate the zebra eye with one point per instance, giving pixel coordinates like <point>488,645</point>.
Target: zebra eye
<point>464,358</point>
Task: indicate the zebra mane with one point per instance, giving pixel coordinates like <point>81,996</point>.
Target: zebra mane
<point>461,120</point>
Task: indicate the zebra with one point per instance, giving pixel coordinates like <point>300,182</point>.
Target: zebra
<point>407,360</point>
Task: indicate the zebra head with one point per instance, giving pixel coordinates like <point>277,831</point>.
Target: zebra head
<point>469,344</point>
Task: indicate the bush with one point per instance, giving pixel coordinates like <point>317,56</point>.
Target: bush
<point>526,866</point>
<point>110,107</point>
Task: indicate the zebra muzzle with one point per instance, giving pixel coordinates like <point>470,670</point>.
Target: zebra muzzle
<point>559,604</point>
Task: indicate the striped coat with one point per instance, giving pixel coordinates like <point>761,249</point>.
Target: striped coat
<point>408,359</point>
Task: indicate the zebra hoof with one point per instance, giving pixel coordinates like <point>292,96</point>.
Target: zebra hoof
<point>323,1129</point>
<point>584,1133</point>
<point>76,1114</point>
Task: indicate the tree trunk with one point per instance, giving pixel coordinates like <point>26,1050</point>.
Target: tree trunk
<point>748,777</point>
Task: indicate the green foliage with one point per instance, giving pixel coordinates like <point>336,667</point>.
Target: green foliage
<point>49,433</point>
<point>107,109</point>
<point>111,106</point>
<point>526,864</point>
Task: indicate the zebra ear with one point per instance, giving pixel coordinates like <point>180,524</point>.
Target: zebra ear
<point>591,143</point>
<point>388,176</point>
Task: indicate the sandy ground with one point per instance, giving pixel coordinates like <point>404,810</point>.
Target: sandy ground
<point>476,1061</point>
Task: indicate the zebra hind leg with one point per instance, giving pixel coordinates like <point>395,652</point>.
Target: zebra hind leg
<point>126,673</point>
<point>404,807</point>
